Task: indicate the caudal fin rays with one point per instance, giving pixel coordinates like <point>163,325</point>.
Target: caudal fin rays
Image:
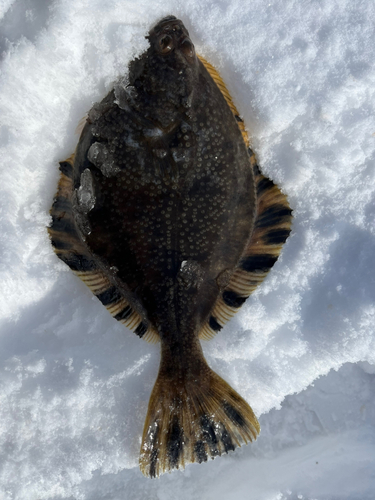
<point>193,422</point>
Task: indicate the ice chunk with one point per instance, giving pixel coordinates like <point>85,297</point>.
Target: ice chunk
<point>85,192</point>
<point>160,153</point>
<point>178,155</point>
<point>125,95</point>
<point>84,201</point>
<point>190,274</point>
<point>153,132</point>
<point>100,156</point>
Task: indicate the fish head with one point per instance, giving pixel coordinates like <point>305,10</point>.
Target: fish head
<point>169,36</point>
<point>166,75</point>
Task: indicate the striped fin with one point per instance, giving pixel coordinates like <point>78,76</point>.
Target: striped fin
<point>69,247</point>
<point>195,417</point>
<point>272,228</point>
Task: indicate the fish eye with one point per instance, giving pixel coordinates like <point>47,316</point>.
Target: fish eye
<point>166,44</point>
<point>187,48</point>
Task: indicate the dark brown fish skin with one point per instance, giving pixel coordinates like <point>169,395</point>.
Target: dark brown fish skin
<point>183,193</point>
<point>155,213</point>
<point>164,201</point>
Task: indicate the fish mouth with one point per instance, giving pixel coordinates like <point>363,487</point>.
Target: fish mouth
<point>169,35</point>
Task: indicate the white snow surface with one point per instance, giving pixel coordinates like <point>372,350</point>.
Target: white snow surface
<point>74,384</point>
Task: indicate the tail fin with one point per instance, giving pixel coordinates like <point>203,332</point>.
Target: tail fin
<point>193,420</point>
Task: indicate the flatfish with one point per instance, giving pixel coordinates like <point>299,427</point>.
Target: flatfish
<point>164,214</point>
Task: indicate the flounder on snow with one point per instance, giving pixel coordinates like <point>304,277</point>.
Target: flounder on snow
<point>164,214</point>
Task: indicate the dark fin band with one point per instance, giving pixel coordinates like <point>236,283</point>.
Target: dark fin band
<point>60,245</point>
<point>232,299</point>
<point>141,329</point>
<point>214,324</point>
<point>258,263</point>
<point>277,236</point>
<point>200,452</point>
<point>63,224</point>
<point>175,443</point>
<point>273,215</point>
<point>124,314</point>
<point>208,435</point>
<point>78,263</point>
<point>109,296</point>
<point>61,204</point>
<point>264,185</point>
<point>66,168</point>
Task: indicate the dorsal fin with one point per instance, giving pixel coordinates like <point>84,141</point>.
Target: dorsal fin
<point>70,248</point>
<point>272,227</point>
<point>81,124</point>
<point>223,89</point>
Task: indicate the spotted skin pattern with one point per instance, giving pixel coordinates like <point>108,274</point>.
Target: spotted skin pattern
<point>164,214</point>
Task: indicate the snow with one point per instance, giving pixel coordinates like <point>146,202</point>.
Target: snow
<point>74,383</point>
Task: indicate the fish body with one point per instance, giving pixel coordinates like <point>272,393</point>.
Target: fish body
<point>160,213</point>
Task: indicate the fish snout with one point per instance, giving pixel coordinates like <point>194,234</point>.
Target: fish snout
<point>171,34</point>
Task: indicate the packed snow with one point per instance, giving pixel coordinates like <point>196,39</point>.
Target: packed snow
<point>75,383</point>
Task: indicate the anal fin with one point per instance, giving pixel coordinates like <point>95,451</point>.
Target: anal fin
<point>272,227</point>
